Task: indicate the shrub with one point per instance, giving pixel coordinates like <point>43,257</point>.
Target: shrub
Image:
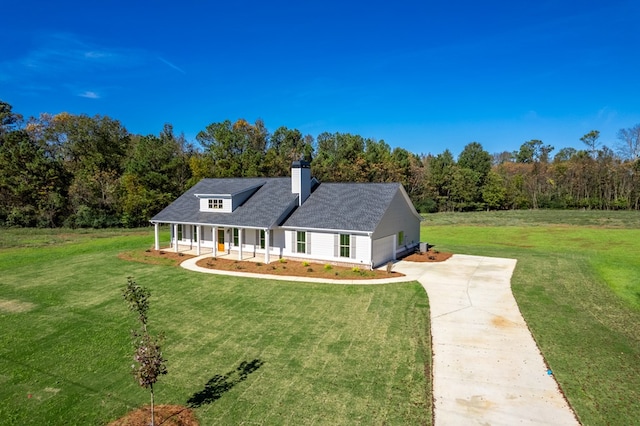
<point>305,263</point>
<point>282,260</point>
<point>328,267</point>
<point>355,269</point>
<point>258,264</point>
<point>309,270</point>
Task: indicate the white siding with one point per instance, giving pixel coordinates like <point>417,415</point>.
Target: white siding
<point>226,205</point>
<point>323,247</point>
<point>363,248</point>
<point>399,217</point>
<point>383,250</point>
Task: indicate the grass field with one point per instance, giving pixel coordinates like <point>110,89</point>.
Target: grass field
<point>321,354</point>
<point>577,283</point>
<point>310,353</point>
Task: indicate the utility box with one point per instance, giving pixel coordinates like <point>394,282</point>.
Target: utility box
<point>424,247</point>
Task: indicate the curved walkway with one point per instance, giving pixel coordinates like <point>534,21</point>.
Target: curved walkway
<point>487,368</point>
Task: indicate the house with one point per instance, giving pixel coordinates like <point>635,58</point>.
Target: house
<point>364,224</point>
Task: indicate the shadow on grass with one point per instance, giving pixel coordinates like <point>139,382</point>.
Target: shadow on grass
<point>218,385</point>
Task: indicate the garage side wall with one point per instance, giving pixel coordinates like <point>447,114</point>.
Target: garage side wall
<point>399,217</point>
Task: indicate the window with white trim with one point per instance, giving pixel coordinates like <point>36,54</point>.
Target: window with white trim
<point>262,239</point>
<point>179,236</point>
<point>235,237</point>
<point>345,245</point>
<point>215,203</point>
<point>301,242</point>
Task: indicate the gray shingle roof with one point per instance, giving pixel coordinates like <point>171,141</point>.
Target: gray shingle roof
<point>335,206</point>
<point>229,186</point>
<point>263,209</point>
<point>344,206</point>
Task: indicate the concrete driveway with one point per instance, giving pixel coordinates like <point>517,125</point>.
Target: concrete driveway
<point>487,369</point>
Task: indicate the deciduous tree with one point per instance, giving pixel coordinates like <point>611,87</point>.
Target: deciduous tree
<point>629,143</point>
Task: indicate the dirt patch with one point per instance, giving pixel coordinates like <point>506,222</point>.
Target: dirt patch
<point>428,256</point>
<point>15,306</point>
<point>155,257</point>
<point>166,415</point>
<point>296,268</point>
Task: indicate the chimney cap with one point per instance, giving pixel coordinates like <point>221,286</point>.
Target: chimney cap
<point>301,164</point>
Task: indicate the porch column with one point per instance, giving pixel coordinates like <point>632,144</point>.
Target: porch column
<point>267,246</point>
<point>214,230</point>
<point>240,243</point>
<point>175,235</point>
<point>198,238</point>
<point>156,234</point>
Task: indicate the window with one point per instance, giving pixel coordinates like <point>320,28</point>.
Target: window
<point>179,232</point>
<point>400,238</point>
<point>263,241</point>
<point>215,204</point>
<point>301,242</point>
<point>345,243</point>
<point>235,237</point>
<point>195,233</point>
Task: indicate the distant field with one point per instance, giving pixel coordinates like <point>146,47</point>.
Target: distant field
<point>577,283</point>
<point>325,354</point>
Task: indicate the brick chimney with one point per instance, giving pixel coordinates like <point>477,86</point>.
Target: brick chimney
<point>301,180</point>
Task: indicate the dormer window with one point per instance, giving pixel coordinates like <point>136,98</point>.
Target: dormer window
<point>215,203</point>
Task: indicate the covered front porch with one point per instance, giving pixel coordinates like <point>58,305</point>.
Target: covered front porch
<point>220,241</point>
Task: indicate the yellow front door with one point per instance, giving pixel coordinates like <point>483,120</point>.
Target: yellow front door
<point>220,239</point>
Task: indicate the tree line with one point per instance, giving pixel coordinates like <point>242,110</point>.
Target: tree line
<point>81,171</point>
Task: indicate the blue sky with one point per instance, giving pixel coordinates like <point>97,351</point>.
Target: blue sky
<point>424,76</point>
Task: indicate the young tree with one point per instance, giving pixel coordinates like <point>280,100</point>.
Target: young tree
<point>148,356</point>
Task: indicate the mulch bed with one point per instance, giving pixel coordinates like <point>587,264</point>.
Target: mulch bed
<point>428,256</point>
<point>285,267</point>
<point>297,268</point>
<point>165,415</point>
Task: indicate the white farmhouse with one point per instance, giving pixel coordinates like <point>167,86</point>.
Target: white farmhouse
<point>364,224</point>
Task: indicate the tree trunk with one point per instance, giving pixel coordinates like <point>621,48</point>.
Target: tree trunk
<point>153,420</point>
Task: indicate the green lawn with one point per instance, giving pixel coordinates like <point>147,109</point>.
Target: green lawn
<point>577,283</point>
<point>322,354</point>
<point>312,354</point>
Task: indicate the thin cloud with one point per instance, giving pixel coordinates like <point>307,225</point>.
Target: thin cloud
<point>68,57</point>
<point>170,65</point>
<point>89,95</point>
